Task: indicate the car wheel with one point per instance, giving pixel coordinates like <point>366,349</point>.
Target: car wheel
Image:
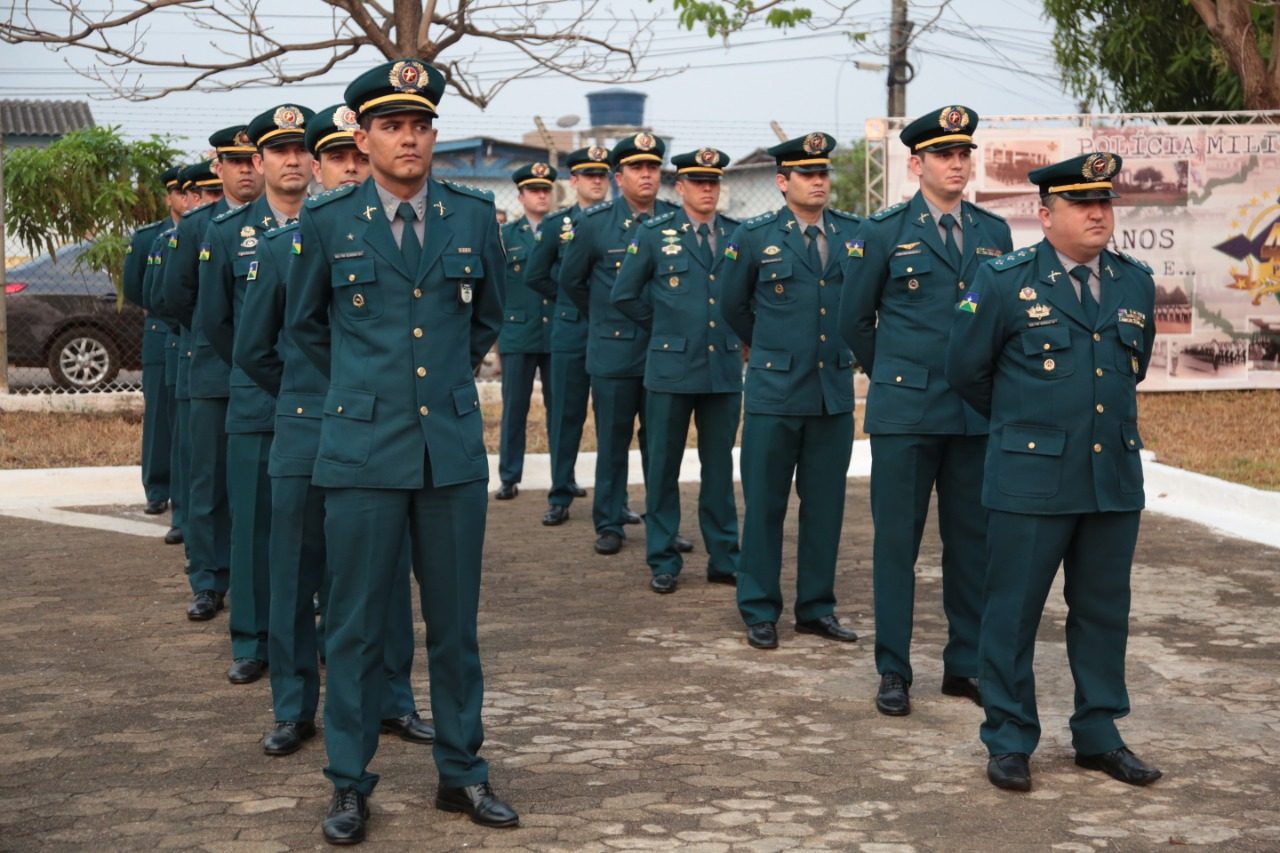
<point>83,359</point>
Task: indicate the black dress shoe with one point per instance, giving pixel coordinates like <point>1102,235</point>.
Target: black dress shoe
<point>577,491</point>
<point>555,515</point>
<point>287,737</point>
<point>155,507</point>
<point>479,802</point>
<point>410,727</point>
<point>828,627</point>
<point>173,536</point>
<point>507,492</point>
<point>762,635</point>
<point>629,517</point>
<point>608,543</point>
<point>1011,771</point>
<point>728,580</point>
<point>246,670</point>
<point>1121,765</point>
<point>893,698</point>
<point>347,817</point>
<point>683,546</point>
<point>204,605</point>
<point>958,685</point>
<point>663,583</point>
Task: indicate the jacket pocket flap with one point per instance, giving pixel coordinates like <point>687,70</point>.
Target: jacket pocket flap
<point>462,266</point>
<point>300,405</point>
<point>1129,431</point>
<point>241,266</point>
<point>900,373</point>
<point>618,333</point>
<point>466,399</point>
<point>770,359</point>
<point>901,267</point>
<point>1045,339</point>
<point>1130,336</point>
<point>770,272</point>
<point>568,312</point>
<point>351,271</point>
<point>1042,441</point>
<point>349,403</point>
<point>515,316</point>
<point>680,264</point>
<point>667,343</point>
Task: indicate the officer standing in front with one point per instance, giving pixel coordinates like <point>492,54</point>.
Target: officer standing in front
<point>781,294</point>
<point>910,267</point>
<point>668,286</point>
<point>615,344</point>
<point>525,341</point>
<point>1050,343</point>
<point>400,280</point>
<point>589,178</point>
<point>297,548</point>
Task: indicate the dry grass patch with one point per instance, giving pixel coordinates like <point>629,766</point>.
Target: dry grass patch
<point>69,439</point>
<point>1233,435</point>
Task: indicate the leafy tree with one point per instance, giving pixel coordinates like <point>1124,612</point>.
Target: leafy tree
<point>849,177</point>
<point>1169,55</point>
<point>90,184</point>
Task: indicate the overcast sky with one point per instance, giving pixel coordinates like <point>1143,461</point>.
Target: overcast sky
<point>994,56</point>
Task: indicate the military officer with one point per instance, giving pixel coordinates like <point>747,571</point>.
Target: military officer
<point>227,259</point>
<point>155,411</point>
<point>910,265</point>
<point>525,341</point>
<point>1050,343</point>
<point>781,292</point>
<point>208,527</point>
<point>668,286</point>
<point>401,280</point>
<point>297,549</point>
<point>589,178</point>
<point>615,344</point>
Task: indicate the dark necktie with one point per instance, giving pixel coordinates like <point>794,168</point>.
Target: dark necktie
<point>1081,274</point>
<point>704,244</point>
<point>410,248</point>
<point>642,217</point>
<point>953,251</point>
<point>815,257</point>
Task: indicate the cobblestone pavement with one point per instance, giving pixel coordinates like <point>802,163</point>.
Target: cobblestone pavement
<point>618,719</point>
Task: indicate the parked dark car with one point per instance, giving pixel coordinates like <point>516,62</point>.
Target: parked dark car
<point>65,319</point>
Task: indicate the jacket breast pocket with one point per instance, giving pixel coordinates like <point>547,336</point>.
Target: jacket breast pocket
<point>1030,461</point>
<point>907,274</point>
<point>1129,353</point>
<point>768,375</point>
<point>672,275</point>
<point>775,283</point>
<point>516,259</point>
<point>666,357</point>
<point>466,404</point>
<point>1048,352</point>
<point>347,431</point>
<point>356,292</point>
<point>461,273</point>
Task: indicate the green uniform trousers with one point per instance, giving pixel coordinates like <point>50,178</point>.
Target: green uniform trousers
<point>517,393</point>
<point>567,417</point>
<point>1096,551</point>
<point>364,529</point>
<point>297,573</point>
<point>815,449</point>
<point>667,421</point>
<point>208,531</point>
<point>157,444</point>
<point>617,402</point>
<point>249,496</point>
<point>179,460</point>
<point>904,472</point>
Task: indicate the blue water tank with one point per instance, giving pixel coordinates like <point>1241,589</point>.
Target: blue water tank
<point>616,106</point>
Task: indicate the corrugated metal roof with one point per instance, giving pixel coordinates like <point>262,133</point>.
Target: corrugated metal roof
<point>43,118</point>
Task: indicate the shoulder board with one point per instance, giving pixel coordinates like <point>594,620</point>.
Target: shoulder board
<point>597,208</point>
<point>464,189</point>
<point>281,229</point>
<point>844,214</point>
<point>762,219</point>
<point>196,210</point>
<point>660,218</point>
<point>227,214</point>
<point>330,195</point>
<point>990,214</point>
<point>152,226</point>
<point>730,220</point>
<point>1137,263</point>
<point>556,214</point>
<point>889,211</point>
<point>1014,259</point>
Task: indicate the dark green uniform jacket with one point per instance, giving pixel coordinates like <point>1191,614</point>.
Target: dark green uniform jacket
<point>181,289</point>
<point>785,310</point>
<point>568,328</point>
<point>404,342</point>
<point>899,302</point>
<point>666,287</point>
<point>136,261</point>
<point>526,314</point>
<point>1060,395</point>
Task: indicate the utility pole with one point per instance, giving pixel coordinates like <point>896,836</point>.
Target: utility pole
<point>900,71</point>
